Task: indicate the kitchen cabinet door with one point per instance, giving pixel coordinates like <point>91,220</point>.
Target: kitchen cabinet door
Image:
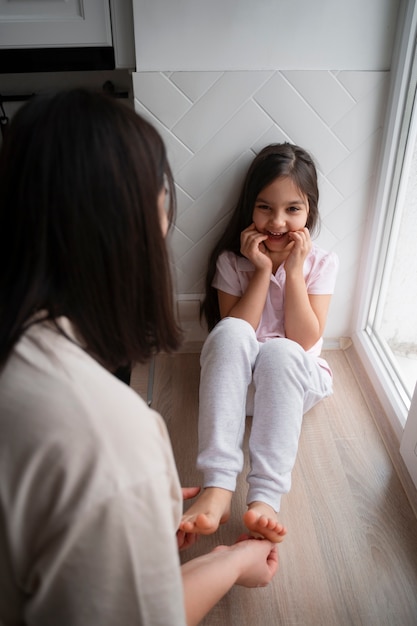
<point>54,23</point>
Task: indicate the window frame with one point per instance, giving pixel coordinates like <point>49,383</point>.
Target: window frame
<point>382,372</point>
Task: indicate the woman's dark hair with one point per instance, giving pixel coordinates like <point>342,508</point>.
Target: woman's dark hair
<point>80,233</point>
<point>274,161</point>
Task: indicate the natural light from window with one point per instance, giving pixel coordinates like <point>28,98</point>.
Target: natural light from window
<point>392,321</point>
<point>395,321</point>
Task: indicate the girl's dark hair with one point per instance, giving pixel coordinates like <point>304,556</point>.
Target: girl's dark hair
<point>80,234</point>
<point>274,161</point>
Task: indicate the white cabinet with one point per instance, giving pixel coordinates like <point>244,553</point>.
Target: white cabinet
<point>68,24</point>
<point>61,23</point>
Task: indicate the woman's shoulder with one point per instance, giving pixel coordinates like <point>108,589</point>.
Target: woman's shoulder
<point>66,390</point>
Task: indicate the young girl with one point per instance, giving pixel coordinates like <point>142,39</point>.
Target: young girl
<point>271,289</point>
<point>90,499</point>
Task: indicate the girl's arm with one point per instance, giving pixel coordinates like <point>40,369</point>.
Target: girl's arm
<point>206,579</point>
<point>249,307</point>
<point>305,315</point>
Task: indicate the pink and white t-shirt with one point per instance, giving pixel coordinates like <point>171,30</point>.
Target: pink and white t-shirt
<point>234,272</point>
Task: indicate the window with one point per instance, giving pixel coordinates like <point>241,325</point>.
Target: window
<point>392,320</point>
<point>386,325</point>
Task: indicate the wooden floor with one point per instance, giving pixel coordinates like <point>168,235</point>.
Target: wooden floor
<point>350,555</point>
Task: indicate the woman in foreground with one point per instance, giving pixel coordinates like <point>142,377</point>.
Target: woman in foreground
<point>90,500</point>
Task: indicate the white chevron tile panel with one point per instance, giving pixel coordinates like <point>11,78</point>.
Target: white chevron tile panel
<point>223,148</point>
<point>363,119</point>
<point>349,214</point>
<point>359,84</point>
<point>192,266</point>
<point>160,96</point>
<point>211,113</point>
<point>213,123</point>
<point>180,243</point>
<point>323,93</point>
<point>356,169</point>
<point>290,111</point>
<point>215,202</point>
<point>348,250</point>
<point>178,154</point>
<point>272,135</point>
<point>326,238</point>
<point>195,84</point>
<point>329,196</point>
<point>184,202</point>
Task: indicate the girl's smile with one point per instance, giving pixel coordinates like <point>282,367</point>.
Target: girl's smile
<point>272,235</point>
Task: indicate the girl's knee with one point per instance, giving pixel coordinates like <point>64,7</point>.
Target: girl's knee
<point>229,335</point>
<point>233,330</point>
<point>234,325</point>
<point>280,352</point>
<point>280,360</point>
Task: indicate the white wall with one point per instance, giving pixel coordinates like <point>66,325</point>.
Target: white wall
<point>222,79</point>
<point>264,34</point>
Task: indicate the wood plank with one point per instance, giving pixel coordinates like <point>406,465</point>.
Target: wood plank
<point>350,556</point>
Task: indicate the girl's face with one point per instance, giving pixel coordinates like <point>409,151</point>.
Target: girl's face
<point>280,208</point>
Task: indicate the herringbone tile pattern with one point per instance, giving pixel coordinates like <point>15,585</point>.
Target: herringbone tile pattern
<point>213,123</point>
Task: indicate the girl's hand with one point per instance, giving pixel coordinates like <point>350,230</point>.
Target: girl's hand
<point>253,248</point>
<point>302,246</point>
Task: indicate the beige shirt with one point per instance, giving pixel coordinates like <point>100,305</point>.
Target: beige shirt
<point>89,494</point>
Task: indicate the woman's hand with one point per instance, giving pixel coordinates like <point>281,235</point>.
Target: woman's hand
<point>249,562</point>
<point>253,248</point>
<point>258,560</point>
<point>302,246</point>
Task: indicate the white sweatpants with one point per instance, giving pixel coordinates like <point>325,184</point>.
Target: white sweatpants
<point>284,382</point>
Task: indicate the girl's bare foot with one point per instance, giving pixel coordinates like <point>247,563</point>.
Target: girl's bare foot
<point>211,509</point>
<point>261,519</point>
